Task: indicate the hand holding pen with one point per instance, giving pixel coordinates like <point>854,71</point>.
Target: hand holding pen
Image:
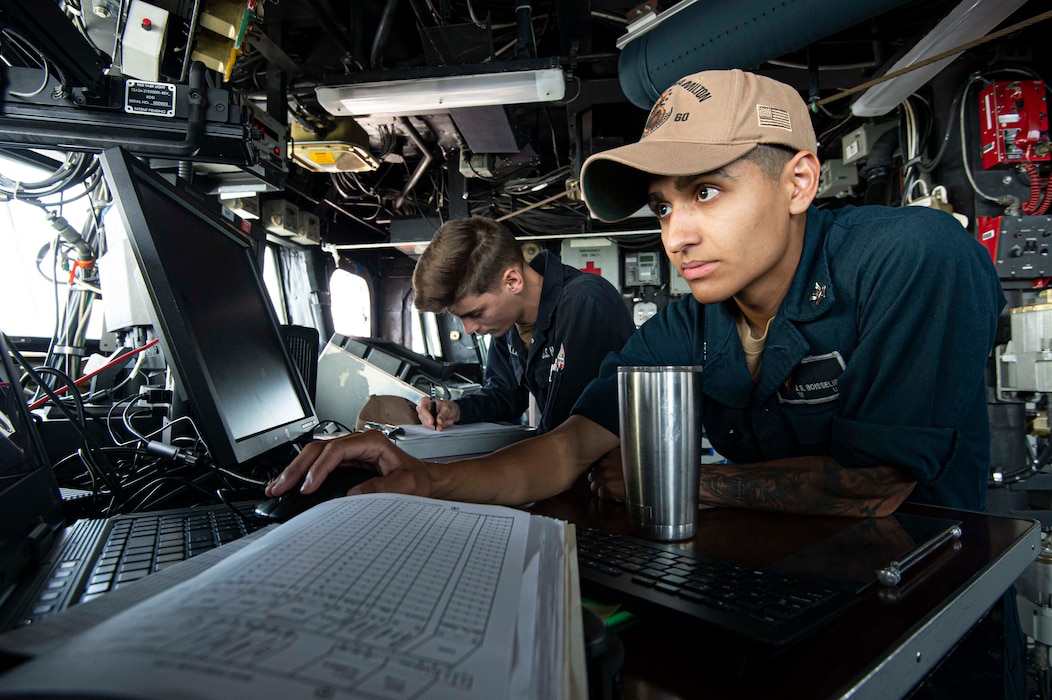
<point>437,414</point>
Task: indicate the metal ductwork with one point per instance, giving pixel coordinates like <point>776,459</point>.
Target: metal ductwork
<point>693,35</point>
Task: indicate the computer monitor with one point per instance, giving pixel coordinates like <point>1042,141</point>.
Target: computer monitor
<point>213,315</point>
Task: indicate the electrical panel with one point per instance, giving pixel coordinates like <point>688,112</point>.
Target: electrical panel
<point>859,143</point>
<point>1013,123</point>
<point>308,227</point>
<point>281,216</point>
<point>1019,246</point>
<point>642,269</point>
<point>245,207</point>
<point>836,179</point>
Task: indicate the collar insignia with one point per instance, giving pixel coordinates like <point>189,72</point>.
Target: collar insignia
<point>819,294</point>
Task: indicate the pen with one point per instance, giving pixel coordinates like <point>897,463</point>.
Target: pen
<point>434,407</point>
<point>891,574</point>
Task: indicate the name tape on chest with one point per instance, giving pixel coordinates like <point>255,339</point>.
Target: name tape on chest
<point>814,380</point>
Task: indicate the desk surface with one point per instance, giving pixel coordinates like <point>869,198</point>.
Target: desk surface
<point>878,649</point>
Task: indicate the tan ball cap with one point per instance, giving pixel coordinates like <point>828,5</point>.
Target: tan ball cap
<point>700,124</point>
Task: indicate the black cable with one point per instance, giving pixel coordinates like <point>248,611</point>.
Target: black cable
<point>338,425</point>
<point>95,491</point>
<point>928,166</point>
<point>1035,467</point>
<point>186,484</point>
<point>106,473</point>
<point>229,504</point>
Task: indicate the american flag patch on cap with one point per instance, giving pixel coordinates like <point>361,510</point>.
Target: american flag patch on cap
<point>772,116</point>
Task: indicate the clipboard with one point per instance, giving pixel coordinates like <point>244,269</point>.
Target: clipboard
<point>459,439</point>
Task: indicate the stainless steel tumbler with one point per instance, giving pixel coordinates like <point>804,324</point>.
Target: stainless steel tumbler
<point>660,415</point>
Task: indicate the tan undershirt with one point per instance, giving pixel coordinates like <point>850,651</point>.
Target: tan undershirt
<point>752,345</point>
<point>525,331</point>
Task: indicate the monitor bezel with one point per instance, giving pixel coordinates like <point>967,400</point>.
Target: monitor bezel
<point>176,337</point>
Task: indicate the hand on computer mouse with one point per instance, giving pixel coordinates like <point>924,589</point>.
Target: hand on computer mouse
<point>398,471</point>
<point>294,502</point>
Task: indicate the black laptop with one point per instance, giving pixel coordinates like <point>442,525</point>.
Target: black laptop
<point>48,564</point>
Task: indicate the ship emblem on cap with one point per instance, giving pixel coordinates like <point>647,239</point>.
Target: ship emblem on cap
<point>659,114</point>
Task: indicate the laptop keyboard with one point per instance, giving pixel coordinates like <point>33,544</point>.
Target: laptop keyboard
<point>135,546</point>
<point>760,606</point>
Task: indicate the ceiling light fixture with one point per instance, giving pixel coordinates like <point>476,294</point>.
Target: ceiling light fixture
<point>967,22</point>
<point>424,95</point>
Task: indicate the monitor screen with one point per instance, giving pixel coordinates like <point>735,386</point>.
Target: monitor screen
<point>213,315</point>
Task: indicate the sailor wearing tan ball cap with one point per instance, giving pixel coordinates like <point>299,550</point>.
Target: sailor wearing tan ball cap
<point>838,378</point>
<point>844,351</point>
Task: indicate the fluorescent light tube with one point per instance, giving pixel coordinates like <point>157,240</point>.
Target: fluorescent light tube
<point>423,95</point>
<point>970,20</point>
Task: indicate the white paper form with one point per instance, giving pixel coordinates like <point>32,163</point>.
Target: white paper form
<point>378,596</point>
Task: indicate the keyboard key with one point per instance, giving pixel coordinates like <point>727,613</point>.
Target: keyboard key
<point>133,575</point>
<point>135,546</point>
<point>745,601</point>
<point>201,534</point>
<point>168,557</point>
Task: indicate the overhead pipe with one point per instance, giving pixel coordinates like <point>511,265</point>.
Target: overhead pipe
<point>421,167</point>
<point>382,32</point>
<point>526,44</point>
<point>695,35</point>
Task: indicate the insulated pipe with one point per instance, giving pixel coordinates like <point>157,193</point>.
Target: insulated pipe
<point>696,35</point>
<point>878,168</point>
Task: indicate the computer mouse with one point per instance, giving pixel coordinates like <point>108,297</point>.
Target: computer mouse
<point>292,503</point>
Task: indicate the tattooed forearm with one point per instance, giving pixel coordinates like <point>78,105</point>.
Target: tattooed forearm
<point>817,485</point>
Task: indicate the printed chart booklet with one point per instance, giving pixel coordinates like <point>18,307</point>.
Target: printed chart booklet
<point>380,596</point>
